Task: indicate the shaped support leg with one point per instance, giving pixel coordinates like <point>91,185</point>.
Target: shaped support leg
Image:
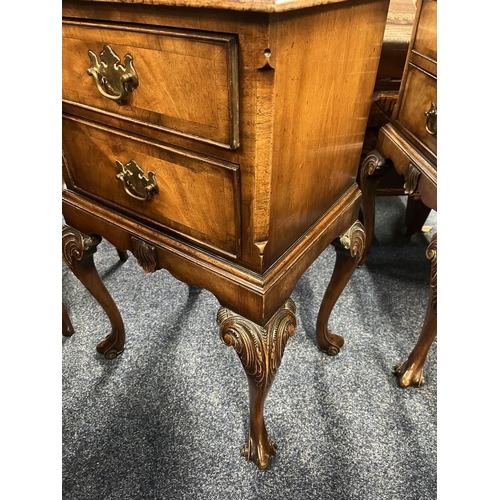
<point>416,214</point>
<point>67,326</point>
<point>410,372</point>
<point>349,250</point>
<point>260,350</point>
<point>123,254</point>
<point>372,170</point>
<point>78,250</point>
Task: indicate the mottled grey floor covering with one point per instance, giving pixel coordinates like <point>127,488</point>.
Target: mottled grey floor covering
<point>167,418</point>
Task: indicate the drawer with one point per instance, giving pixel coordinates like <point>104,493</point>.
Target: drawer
<point>196,197</point>
<point>178,81</point>
<point>425,42</point>
<point>418,107</point>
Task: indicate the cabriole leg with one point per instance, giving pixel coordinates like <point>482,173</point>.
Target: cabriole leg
<point>349,249</point>
<point>372,169</point>
<point>410,372</point>
<point>260,350</point>
<point>67,326</point>
<point>78,250</point>
<point>416,214</point>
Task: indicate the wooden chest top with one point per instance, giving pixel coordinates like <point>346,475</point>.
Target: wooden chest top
<point>243,5</point>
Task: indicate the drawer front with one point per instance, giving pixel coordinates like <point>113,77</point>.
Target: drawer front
<point>193,196</point>
<point>418,108</point>
<point>425,42</point>
<point>184,82</point>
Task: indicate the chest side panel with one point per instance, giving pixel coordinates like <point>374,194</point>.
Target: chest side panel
<point>326,64</point>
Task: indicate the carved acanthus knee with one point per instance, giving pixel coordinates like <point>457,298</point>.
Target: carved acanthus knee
<point>76,246</point>
<point>260,348</point>
<point>373,164</point>
<point>411,179</point>
<point>354,240</point>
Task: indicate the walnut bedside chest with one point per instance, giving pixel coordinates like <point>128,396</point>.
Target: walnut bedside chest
<point>219,140</point>
<point>408,144</point>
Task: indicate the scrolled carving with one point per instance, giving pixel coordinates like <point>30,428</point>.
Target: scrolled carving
<point>354,240</point>
<point>431,254</point>
<point>145,255</point>
<point>372,162</point>
<point>411,179</point>
<point>260,349</point>
<point>75,245</point>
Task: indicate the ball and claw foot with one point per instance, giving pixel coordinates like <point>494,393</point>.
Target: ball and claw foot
<point>409,376</point>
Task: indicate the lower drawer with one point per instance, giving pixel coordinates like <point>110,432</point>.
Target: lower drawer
<point>194,196</point>
<point>418,108</point>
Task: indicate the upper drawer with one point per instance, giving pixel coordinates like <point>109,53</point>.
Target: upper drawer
<point>196,197</point>
<point>418,107</point>
<point>425,42</point>
<point>187,81</point>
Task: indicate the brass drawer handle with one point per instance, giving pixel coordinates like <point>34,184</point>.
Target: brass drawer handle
<point>135,183</point>
<point>113,80</point>
<point>431,118</point>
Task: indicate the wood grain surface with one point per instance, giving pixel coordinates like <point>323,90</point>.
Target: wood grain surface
<point>242,5</point>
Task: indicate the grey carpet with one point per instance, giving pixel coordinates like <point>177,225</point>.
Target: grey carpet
<point>167,418</point>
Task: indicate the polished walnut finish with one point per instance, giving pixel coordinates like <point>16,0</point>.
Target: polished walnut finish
<point>225,149</point>
<point>408,144</point>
